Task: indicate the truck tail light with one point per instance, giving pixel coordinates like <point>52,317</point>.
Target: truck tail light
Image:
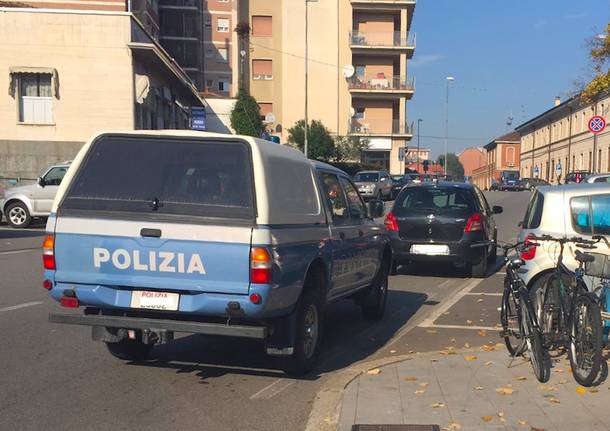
<point>529,247</point>
<point>48,252</point>
<point>260,265</point>
<point>474,223</point>
<point>69,301</point>
<point>390,222</point>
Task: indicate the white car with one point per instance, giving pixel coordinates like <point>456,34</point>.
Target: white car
<point>576,210</point>
<point>598,178</point>
<point>21,204</point>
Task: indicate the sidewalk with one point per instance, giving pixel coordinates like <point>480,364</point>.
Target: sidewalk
<point>474,391</point>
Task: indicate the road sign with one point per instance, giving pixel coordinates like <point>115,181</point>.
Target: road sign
<point>536,171</point>
<point>558,168</point>
<point>597,124</point>
<point>197,118</point>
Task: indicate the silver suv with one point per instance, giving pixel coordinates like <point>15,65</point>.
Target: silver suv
<point>23,203</point>
<point>374,184</point>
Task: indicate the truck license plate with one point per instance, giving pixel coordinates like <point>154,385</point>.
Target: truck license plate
<point>430,249</point>
<point>154,300</point>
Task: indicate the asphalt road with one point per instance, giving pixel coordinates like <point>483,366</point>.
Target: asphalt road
<point>55,378</point>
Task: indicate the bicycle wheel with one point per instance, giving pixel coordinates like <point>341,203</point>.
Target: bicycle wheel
<point>586,341</point>
<point>511,323</point>
<point>545,298</point>
<point>536,351</point>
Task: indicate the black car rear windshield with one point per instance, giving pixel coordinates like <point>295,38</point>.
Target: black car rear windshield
<point>164,176</point>
<point>366,177</point>
<point>443,201</point>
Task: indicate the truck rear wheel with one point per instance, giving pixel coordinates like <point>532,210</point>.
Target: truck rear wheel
<point>130,350</point>
<point>308,334</point>
<point>376,296</point>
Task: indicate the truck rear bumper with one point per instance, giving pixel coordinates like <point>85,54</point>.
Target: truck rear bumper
<point>244,331</point>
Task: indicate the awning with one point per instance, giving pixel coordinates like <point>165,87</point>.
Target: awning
<point>15,70</point>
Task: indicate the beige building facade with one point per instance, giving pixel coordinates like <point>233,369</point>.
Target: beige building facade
<point>560,136</point>
<point>501,155</point>
<point>71,74</point>
<point>358,84</point>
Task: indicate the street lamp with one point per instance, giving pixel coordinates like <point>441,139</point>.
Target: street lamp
<point>419,120</point>
<point>448,80</point>
<point>306,66</point>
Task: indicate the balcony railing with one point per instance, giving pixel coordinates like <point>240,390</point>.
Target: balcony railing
<point>388,39</point>
<point>381,83</point>
<point>398,2</point>
<point>381,127</point>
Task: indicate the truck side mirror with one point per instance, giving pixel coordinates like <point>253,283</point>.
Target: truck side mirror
<point>375,208</point>
<point>40,182</point>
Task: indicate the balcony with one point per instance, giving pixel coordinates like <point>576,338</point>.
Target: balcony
<point>385,4</point>
<point>378,128</point>
<point>390,40</point>
<point>380,85</point>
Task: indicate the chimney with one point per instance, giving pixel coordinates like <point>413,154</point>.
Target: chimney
<point>557,101</point>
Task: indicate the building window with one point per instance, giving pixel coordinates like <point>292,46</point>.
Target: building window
<point>35,98</point>
<point>223,53</point>
<point>224,85</point>
<point>222,25</point>
<point>262,69</point>
<point>266,108</point>
<point>510,156</point>
<point>359,115</point>
<point>262,26</point>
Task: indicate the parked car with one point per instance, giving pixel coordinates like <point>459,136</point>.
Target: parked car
<point>178,239</point>
<point>439,222</point>
<point>509,180</point>
<point>374,184</point>
<point>493,187</point>
<point>533,183</point>
<point>598,178</point>
<point>398,182</point>
<point>21,204</point>
<point>580,210</point>
<point>576,177</point>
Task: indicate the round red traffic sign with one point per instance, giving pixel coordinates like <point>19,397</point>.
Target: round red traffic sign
<point>597,124</point>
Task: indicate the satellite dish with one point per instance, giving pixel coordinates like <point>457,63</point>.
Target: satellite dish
<point>270,118</point>
<point>352,111</point>
<point>348,71</point>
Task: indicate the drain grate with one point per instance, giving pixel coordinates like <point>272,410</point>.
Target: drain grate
<point>396,428</point>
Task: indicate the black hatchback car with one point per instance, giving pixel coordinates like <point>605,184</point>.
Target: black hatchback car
<point>440,222</point>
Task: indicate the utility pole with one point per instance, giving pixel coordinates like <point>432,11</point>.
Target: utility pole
<point>419,120</point>
<point>448,80</point>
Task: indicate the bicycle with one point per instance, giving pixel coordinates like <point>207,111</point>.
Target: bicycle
<point>569,314</point>
<point>600,268</point>
<point>518,318</point>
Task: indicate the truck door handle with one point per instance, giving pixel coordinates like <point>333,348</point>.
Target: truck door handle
<point>360,233</point>
<point>150,233</point>
<point>342,235</point>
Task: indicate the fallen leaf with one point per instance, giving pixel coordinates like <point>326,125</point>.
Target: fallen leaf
<point>392,351</point>
<point>469,322</point>
<point>437,405</point>
<point>480,300</point>
<point>537,429</point>
<point>482,333</point>
<point>447,352</point>
<point>470,358</point>
<point>452,340</point>
<point>423,384</point>
<point>446,313</point>
<point>553,400</point>
<point>433,360</point>
<point>481,320</point>
<point>505,390</point>
<point>454,426</point>
<point>431,331</point>
<point>486,418</point>
<point>521,422</point>
<point>563,381</point>
<point>487,348</point>
<point>547,388</point>
<point>419,392</point>
<point>593,390</point>
<point>467,345</point>
<point>374,372</point>
<point>580,390</point>
<point>558,370</point>
<point>521,378</point>
<point>410,379</point>
<point>411,351</point>
<point>488,363</point>
<point>501,414</point>
<point>478,388</point>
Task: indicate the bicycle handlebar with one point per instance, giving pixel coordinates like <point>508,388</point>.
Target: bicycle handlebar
<point>564,240</point>
<point>599,238</point>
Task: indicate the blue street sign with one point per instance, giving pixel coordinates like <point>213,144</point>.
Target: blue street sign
<point>536,169</point>
<point>197,118</point>
<point>558,167</point>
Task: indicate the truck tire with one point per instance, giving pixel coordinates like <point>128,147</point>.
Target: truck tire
<point>17,215</point>
<point>130,350</point>
<point>376,296</point>
<point>309,323</point>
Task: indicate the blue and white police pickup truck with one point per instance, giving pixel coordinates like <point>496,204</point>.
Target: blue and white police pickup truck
<point>153,233</point>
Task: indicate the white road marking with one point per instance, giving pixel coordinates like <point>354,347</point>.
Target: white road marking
<point>483,294</point>
<point>426,323</point>
<point>478,328</point>
<point>27,250</point>
<point>273,389</point>
<point>17,307</point>
<point>27,229</point>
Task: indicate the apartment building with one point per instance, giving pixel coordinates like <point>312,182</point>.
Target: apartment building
<point>358,84</point>
<point>471,159</point>
<point>220,47</point>
<point>502,154</point>
<point>560,136</point>
<point>73,73</point>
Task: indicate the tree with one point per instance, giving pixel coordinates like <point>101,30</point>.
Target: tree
<point>321,145</point>
<point>600,61</point>
<point>246,115</point>
<point>454,166</point>
<point>349,149</point>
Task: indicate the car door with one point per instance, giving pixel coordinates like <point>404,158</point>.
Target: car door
<point>343,236</point>
<point>366,247</point>
<point>385,183</point>
<point>490,226</point>
<point>44,194</point>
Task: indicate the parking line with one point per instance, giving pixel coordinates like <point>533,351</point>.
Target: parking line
<point>273,389</point>
<point>17,307</point>
<point>478,328</point>
<point>484,294</point>
<point>23,250</point>
<point>426,323</point>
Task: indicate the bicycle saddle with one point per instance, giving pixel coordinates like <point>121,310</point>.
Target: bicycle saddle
<point>583,257</point>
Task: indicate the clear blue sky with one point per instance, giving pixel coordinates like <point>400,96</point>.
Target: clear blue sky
<point>507,56</point>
